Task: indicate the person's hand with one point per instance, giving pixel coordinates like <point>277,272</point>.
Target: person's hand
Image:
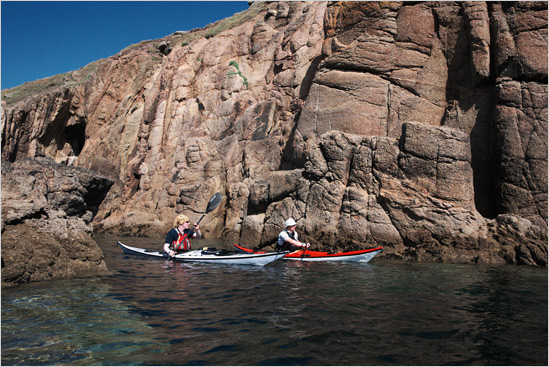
<point>196,226</point>
<point>308,245</point>
<point>171,253</point>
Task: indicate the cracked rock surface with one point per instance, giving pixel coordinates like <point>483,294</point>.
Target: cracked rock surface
<point>47,210</point>
<point>417,126</point>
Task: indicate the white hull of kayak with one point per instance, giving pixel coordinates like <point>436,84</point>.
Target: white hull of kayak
<point>198,255</point>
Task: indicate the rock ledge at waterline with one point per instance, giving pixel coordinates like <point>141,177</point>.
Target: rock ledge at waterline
<point>417,126</point>
<point>47,210</point>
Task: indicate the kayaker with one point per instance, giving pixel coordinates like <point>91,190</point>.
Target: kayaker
<point>177,238</point>
<point>287,239</point>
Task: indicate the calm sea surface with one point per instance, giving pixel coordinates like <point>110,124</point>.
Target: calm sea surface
<point>157,312</point>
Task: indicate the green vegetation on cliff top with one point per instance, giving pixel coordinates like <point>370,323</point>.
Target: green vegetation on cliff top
<point>71,78</point>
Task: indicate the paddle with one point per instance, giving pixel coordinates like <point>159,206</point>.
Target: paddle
<point>212,204</point>
<point>303,253</point>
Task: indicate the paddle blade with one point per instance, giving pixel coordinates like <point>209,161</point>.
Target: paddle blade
<point>213,203</point>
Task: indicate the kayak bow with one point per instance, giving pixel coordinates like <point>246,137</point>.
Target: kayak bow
<point>307,255</point>
<point>210,255</point>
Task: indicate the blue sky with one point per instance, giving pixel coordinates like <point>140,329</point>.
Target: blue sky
<point>45,38</point>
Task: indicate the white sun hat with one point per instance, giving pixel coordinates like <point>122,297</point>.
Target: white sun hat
<point>290,222</point>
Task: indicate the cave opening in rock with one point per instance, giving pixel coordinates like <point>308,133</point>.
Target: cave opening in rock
<point>75,135</point>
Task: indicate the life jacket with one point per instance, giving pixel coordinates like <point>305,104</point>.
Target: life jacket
<point>291,235</point>
<point>286,246</point>
<point>182,243</point>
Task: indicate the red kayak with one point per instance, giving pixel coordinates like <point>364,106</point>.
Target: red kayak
<point>299,255</point>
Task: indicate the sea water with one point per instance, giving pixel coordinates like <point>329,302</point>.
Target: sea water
<point>385,312</point>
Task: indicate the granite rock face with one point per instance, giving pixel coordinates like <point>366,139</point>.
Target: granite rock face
<point>47,210</point>
<point>418,126</point>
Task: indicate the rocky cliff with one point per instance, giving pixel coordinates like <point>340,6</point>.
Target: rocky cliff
<point>421,127</point>
<point>47,210</point>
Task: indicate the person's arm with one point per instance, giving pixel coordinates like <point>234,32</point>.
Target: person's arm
<point>297,243</point>
<point>167,242</point>
<point>197,233</point>
<point>167,249</point>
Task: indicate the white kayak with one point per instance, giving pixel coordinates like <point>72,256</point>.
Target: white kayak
<point>210,255</point>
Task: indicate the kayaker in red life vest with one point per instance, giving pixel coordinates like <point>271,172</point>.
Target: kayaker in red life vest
<point>177,239</point>
<point>287,239</point>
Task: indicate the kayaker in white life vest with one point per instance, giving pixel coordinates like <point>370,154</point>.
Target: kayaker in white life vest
<point>177,238</point>
<point>287,239</point>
